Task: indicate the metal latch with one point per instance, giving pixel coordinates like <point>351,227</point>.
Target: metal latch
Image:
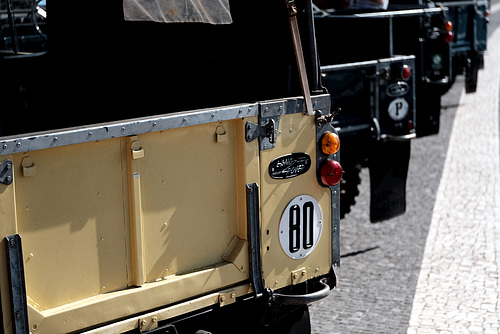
<point>325,119</point>
<point>267,130</point>
<point>6,173</point>
<point>136,148</point>
<point>227,298</point>
<point>29,167</point>
<point>221,134</point>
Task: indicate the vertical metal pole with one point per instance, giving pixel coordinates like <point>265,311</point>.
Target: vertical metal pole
<point>12,25</point>
<point>292,12</point>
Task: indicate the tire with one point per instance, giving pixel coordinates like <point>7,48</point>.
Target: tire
<point>349,188</point>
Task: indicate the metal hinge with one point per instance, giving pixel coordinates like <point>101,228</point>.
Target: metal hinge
<point>267,129</point>
<point>6,173</point>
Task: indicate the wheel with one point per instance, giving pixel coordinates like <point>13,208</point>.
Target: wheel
<point>349,188</point>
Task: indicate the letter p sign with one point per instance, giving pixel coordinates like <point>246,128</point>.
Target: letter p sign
<point>398,109</point>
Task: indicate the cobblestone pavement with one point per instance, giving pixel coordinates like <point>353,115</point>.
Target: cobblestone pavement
<point>458,286</point>
<point>436,268</point>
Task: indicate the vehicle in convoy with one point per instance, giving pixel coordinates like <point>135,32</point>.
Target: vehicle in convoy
<point>444,40</point>
<point>165,169</point>
<point>381,112</point>
<point>469,20</point>
<point>377,120</point>
<point>171,168</point>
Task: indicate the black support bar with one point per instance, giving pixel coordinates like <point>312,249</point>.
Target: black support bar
<point>253,230</point>
<point>17,286</point>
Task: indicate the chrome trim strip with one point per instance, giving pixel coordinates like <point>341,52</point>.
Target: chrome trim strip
<point>399,138</point>
<point>90,133</point>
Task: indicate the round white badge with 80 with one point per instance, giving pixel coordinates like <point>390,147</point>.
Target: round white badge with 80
<point>300,227</point>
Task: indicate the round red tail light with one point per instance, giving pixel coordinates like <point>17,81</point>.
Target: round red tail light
<point>405,72</point>
<point>411,125</point>
<point>331,172</point>
<point>448,37</point>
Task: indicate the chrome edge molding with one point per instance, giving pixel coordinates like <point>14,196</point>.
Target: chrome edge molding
<point>91,133</point>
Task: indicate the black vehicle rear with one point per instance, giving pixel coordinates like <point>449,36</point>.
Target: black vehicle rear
<point>469,21</point>
<point>376,124</point>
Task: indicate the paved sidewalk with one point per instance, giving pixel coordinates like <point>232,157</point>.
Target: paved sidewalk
<point>458,289</point>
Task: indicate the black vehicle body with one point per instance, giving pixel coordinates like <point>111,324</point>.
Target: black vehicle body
<point>99,62</point>
<point>470,31</point>
<point>376,122</point>
<point>441,52</point>
<point>401,30</point>
<point>385,37</point>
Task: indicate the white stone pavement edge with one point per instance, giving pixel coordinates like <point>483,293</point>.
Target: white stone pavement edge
<point>458,289</point>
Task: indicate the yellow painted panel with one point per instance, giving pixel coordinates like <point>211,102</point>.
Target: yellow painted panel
<point>189,200</point>
<point>7,227</point>
<point>297,135</point>
<point>170,312</point>
<point>248,169</point>
<point>102,309</point>
<point>71,218</point>
<point>172,200</point>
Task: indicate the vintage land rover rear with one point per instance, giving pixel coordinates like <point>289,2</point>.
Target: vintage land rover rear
<point>165,167</point>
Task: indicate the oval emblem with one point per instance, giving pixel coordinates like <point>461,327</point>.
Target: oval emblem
<point>396,89</point>
<point>289,166</point>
